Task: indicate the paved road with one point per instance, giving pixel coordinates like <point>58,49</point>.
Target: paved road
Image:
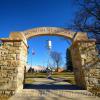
<point>49,89</point>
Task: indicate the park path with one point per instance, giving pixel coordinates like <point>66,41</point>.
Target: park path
<point>46,89</point>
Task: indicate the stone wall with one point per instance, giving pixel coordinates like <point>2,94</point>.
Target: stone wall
<point>13,57</point>
<point>86,65</point>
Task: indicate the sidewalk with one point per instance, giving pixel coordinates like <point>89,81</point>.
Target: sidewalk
<point>43,93</point>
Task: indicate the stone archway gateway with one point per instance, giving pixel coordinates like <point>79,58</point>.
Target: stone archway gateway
<point>13,58</point>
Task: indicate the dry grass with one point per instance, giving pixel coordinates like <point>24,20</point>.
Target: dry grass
<point>68,76</point>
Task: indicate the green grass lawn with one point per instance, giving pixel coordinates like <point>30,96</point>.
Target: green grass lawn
<point>68,76</point>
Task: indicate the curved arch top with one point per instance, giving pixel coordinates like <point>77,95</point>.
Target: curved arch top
<point>25,35</point>
<point>48,31</point>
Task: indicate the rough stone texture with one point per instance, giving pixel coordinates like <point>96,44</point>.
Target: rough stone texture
<point>13,55</point>
<point>86,65</point>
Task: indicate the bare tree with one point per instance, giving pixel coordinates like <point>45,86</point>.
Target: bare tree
<point>87,18</point>
<point>57,59</point>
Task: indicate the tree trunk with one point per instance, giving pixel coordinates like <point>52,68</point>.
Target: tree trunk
<point>57,67</point>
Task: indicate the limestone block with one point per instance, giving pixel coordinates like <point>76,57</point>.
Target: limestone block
<point>17,44</point>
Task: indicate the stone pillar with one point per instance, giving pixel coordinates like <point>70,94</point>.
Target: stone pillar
<point>77,66</point>
<point>86,65</point>
<point>13,58</point>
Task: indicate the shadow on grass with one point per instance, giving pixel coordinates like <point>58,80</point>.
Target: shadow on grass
<point>52,86</point>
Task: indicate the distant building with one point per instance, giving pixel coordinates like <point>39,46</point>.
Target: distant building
<point>60,70</point>
<point>37,69</point>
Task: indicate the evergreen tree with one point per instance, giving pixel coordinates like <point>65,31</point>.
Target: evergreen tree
<point>69,60</point>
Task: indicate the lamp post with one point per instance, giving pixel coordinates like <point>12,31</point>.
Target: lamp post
<point>49,47</point>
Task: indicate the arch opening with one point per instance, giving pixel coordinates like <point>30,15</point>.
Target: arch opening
<point>42,75</point>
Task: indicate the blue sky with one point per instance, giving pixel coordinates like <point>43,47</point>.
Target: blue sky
<point>39,46</point>
<point>20,15</point>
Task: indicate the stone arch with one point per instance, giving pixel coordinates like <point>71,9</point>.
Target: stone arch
<point>13,57</point>
<point>25,35</point>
